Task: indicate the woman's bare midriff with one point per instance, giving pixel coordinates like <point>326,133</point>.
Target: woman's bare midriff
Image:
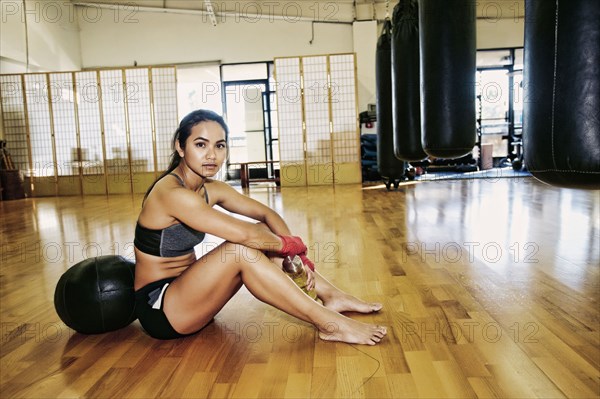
<point>150,268</point>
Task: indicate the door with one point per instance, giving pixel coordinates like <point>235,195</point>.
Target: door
<point>248,137</point>
<point>493,86</point>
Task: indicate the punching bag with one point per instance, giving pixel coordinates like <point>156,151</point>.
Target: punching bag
<point>561,123</point>
<point>389,166</point>
<point>406,90</point>
<point>448,67</point>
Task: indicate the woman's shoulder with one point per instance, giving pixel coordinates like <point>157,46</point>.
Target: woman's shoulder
<point>218,186</point>
<point>156,210</point>
<point>219,191</point>
<point>214,183</point>
<point>164,187</point>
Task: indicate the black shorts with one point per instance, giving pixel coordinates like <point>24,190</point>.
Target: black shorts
<point>155,321</point>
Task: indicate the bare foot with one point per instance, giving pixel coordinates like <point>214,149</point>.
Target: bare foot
<point>348,303</point>
<point>344,329</point>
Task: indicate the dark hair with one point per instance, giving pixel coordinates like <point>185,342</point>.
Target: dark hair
<point>183,132</point>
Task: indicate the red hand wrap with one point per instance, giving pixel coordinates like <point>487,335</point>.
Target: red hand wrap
<point>306,261</point>
<point>292,246</point>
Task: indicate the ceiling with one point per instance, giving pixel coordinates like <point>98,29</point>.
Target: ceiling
<point>340,11</point>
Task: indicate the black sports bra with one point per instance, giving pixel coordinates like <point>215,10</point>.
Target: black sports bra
<point>175,240</point>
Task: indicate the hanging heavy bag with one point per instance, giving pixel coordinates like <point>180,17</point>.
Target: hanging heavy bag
<point>561,123</point>
<point>389,166</point>
<point>448,67</point>
<point>406,90</point>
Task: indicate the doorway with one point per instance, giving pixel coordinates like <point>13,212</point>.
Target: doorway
<point>248,106</point>
<point>493,87</point>
<point>500,103</point>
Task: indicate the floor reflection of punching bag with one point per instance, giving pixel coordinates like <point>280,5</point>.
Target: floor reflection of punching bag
<point>561,124</point>
<point>389,166</point>
<point>448,67</point>
<point>406,89</point>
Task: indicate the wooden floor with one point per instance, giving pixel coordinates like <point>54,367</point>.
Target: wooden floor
<point>490,287</point>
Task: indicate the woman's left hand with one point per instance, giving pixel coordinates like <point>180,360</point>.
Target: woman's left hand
<point>310,281</point>
<point>309,266</point>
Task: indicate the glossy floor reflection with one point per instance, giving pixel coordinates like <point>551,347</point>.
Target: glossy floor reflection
<point>490,287</point>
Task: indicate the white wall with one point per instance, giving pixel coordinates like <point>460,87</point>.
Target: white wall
<point>365,45</point>
<point>53,36</point>
<point>500,33</point>
<point>159,38</point>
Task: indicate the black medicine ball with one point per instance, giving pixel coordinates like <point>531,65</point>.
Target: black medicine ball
<point>96,295</point>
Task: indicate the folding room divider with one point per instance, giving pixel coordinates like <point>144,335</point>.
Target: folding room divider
<point>319,141</point>
<point>90,132</point>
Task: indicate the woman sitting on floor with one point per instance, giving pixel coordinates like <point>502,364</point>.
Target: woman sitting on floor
<point>177,294</point>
